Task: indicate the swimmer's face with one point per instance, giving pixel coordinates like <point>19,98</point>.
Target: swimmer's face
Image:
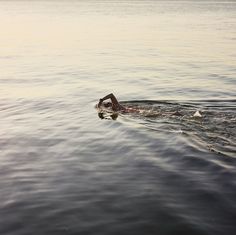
<point>107,105</point>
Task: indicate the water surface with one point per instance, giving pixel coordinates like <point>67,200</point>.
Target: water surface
<point>65,171</point>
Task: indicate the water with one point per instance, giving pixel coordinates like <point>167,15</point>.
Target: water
<point>65,171</point>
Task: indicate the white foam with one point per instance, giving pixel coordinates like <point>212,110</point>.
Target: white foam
<point>197,114</point>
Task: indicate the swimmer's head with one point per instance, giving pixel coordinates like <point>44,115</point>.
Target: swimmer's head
<point>107,104</point>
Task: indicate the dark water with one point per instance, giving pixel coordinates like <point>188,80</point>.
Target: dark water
<point>65,171</point>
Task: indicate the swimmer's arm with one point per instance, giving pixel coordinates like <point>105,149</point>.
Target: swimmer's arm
<point>114,101</point>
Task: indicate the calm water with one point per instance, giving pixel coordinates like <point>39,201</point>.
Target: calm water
<point>65,171</point>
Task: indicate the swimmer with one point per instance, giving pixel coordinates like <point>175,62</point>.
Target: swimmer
<point>114,104</point>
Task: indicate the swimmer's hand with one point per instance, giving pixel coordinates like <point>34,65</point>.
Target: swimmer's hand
<point>100,102</point>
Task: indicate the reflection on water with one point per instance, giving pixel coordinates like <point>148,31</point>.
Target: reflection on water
<point>64,171</point>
